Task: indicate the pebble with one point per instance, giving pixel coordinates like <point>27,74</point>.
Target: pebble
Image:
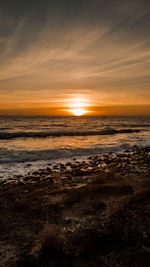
<point>48,169</point>
<point>68,164</point>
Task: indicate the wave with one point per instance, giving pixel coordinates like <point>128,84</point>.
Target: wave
<point>134,125</point>
<point>23,156</point>
<point>8,135</point>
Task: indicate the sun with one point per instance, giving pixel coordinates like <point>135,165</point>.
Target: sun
<point>78,106</point>
<point>78,111</point>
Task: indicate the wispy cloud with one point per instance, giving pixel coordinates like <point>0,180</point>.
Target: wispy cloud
<point>72,46</point>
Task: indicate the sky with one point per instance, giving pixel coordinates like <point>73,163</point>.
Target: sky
<point>54,52</point>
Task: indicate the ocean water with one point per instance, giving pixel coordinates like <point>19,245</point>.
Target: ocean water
<point>29,143</point>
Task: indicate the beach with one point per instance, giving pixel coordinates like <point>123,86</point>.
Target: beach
<point>91,212</point>
<point>75,133</point>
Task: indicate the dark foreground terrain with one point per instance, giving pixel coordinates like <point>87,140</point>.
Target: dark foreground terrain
<point>94,213</point>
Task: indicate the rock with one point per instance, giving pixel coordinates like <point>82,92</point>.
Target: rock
<point>68,164</point>
<point>31,177</point>
<point>127,151</point>
<point>62,166</point>
<point>55,167</point>
<point>48,169</point>
<point>28,165</point>
<point>27,178</point>
<point>42,173</point>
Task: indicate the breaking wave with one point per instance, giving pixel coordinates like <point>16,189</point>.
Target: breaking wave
<point>8,135</point>
<point>23,156</point>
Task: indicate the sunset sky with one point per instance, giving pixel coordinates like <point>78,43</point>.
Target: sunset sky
<point>56,52</point>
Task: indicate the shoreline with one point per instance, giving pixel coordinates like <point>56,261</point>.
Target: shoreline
<point>134,161</point>
<point>75,202</point>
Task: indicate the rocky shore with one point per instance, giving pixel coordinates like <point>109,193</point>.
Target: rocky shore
<point>94,212</point>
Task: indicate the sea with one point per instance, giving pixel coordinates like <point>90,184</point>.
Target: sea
<point>28,143</point>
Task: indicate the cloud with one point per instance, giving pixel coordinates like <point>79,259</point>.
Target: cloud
<point>74,46</point>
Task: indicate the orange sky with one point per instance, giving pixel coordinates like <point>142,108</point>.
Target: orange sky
<point>53,52</point>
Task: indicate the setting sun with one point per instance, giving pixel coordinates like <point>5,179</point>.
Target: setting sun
<point>78,111</point>
<point>78,106</point>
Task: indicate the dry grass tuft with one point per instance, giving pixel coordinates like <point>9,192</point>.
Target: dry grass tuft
<point>48,249</point>
<point>49,244</point>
